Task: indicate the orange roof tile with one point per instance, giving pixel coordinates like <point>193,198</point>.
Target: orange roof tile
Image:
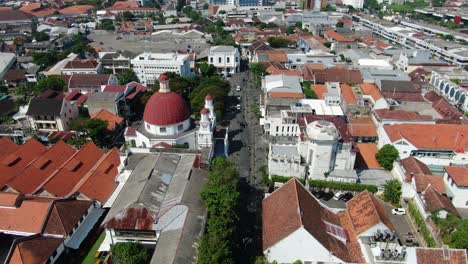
<point>337,36</point>
<point>99,183</point>
<point>372,90</point>
<point>125,4</point>
<point>273,55</point>
<point>362,127</point>
<point>34,249</point>
<point>30,8</point>
<point>319,89</point>
<point>112,120</point>
<point>348,94</point>
<point>435,201</point>
<point>367,152</point>
<point>436,256</point>
<point>44,12</point>
<point>64,179</point>
<point>431,136</point>
<point>9,199</point>
<point>458,174</point>
<point>16,161</point>
<point>285,95</point>
<point>7,146</point>
<point>39,170</point>
<point>76,9</point>
<point>422,181</point>
<point>366,211</point>
<point>29,217</point>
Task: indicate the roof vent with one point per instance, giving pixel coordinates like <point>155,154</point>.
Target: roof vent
<point>446,253</point>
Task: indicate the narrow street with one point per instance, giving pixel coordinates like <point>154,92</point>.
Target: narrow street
<point>248,150</point>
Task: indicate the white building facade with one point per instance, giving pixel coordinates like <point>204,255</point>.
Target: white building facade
<point>226,59</point>
<point>149,66</point>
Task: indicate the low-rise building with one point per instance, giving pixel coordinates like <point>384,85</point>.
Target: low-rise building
<point>456,181</point>
<point>117,61</point>
<point>78,66</point>
<point>149,66</point>
<point>15,22</point>
<point>50,112</point>
<point>226,59</point>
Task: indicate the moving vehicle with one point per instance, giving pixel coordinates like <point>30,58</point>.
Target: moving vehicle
<point>398,211</point>
<point>338,196</point>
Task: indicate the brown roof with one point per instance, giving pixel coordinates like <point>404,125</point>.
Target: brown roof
<point>7,146</point>
<point>285,95</point>
<point>81,64</point>
<point>12,15</point>
<point>446,110</point>
<point>431,136</point>
<point>14,75</point>
<point>383,114</point>
<point>348,94</point>
<point>412,165</point>
<point>76,9</point>
<point>319,89</point>
<point>366,211</point>
<point>436,201</point>
<point>28,217</point>
<point>292,207</point>
<point>334,74</point>
<point>8,199</point>
<point>362,127</point>
<point>404,96</point>
<point>458,174</point>
<point>422,181</point>
<point>83,81</point>
<point>367,151</point>
<point>35,249</point>
<point>372,90</point>
<point>112,120</point>
<point>64,215</point>
<point>273,56</point>
<point>339,123</point>
<point>436,256</point>
<point>16,161</point>
<point>35,173</point>
<point>132,218</point>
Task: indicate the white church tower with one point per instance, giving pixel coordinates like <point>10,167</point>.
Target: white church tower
<point>207,124</point>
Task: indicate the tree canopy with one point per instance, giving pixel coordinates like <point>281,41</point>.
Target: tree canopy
<point>280,42</point>
<point>127,76</point>
<point>392,192</point>
<point>51,82</point>
<point>96,129</point>
<point>221,197</point>
<point>386,156</point>
<point>214,86</point>
<point>129,253</point>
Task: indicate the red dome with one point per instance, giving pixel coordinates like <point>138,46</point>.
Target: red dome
<point>205,111</point>
<point>165,109</point>
<point>208,97</point>
<point>163,78</point>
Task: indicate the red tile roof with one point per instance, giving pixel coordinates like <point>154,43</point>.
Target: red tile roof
<point>292,207</point>
<point>422,181</point>
<point>319,89</point>
<point>367,151</point>
<point>35,173</point>
<point>66,177</point>
<point>34,249</point>
<point>362,127</point>
<point>366,211</point>
<point>404,96</point>
<point>112,120</point>
<point>133,219</point>
<point>81,64</point>
<point>7,146</point>
<point>431,136</point>
<point>274,56</point>
<point>372,90</point>
<point>76,10</point>
<point>436,256</point>
<point>348,94</point>
<point>100,182</point>
<point>286,95</point>
<point>337,36</point>
<point>28,217</point>
<point>458,174</point>
<point>8,199</point>
<point>16,161</point>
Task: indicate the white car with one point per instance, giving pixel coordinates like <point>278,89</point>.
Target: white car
<point>338,196</point>
<point>238,107</point>
<point>398,211</point>
<point>238,88</point>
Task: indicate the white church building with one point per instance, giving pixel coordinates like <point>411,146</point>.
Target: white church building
<point>167,123</point>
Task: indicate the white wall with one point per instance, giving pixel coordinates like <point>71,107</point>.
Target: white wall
<point>460,194</point>
<point>299,245</point>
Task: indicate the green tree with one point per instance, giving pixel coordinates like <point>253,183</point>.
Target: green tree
<point>77,141</point>
<point>298,24</point>
<point>127,76</point>
<point>46,59</point>
<point>339,24</point>
<point>206,69</point>
<point>52,82</point>
<point>392,191</point>
<point>96,129</point>
<point>216,87</point>
<point>386,156</point>
<point>206,6</point>
<point>127,16</point>
<point>180,5</point>
<point>129,253</point>
<point>40,36</point>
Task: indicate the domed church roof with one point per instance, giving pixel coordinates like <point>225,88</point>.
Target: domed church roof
<point>166,108</point>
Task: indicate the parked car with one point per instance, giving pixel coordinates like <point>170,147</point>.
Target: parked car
<point>327,196</point>
<point>319,194</point>
<point>238,107</point>
<point>338,196</point>
<point>346,197</point>
<point>398,211</point>
<point>238,88</point>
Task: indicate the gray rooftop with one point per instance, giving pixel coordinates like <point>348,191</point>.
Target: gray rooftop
<point>225,49</point>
